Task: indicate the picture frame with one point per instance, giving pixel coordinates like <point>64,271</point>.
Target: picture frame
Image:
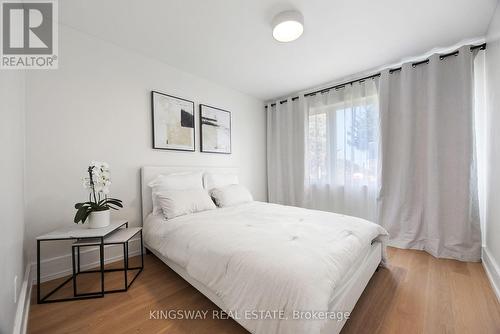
<point>215,130</point>
<point>173,122</point>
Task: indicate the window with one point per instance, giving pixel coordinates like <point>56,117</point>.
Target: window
<point>343,143</point>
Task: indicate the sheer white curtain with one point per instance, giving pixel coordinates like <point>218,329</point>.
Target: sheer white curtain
<point>286,124</point>
<point>428,197</point>
<point>342,150</point>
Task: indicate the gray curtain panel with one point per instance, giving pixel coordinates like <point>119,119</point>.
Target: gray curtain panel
<point>428,195</point>
<point>286,137</point>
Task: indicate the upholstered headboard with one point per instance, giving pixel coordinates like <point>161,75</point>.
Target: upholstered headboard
<point>148,173</point>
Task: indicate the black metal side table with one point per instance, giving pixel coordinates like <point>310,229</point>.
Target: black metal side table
<point>118,237</point>
<point>98,237</point>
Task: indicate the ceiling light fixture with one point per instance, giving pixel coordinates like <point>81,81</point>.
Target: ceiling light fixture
<point>288,26</point>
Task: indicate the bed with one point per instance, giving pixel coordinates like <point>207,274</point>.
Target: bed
<point>273,268</point>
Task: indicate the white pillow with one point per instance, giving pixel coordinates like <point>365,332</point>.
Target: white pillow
<point>218,180</point>
<point>174,203</point>
<point>231,195</point>
<point>174,181</point>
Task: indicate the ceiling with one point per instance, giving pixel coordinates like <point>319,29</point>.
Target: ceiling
<point>230,41</point>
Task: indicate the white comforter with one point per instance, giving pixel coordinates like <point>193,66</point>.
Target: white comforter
<point>261,256</point>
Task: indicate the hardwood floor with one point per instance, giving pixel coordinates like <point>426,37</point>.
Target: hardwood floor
<point>415,294</point>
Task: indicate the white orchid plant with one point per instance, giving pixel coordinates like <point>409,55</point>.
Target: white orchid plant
<point>97,183</point>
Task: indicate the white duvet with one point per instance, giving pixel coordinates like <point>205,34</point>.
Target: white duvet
<point>266,257</point>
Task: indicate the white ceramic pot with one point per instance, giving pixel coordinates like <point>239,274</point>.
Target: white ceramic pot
<point>99,219</point>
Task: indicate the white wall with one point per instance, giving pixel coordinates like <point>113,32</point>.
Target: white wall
<point>12,262</point>
<point>96,106</point>
<point>491,254</point>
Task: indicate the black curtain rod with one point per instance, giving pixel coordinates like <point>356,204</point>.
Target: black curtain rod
<point>426,61</point>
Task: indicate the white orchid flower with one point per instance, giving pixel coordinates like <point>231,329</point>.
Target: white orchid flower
<point>100,177</point>
<point>86,183</point>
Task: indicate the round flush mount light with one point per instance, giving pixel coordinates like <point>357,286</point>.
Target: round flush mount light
<point>288,26</point>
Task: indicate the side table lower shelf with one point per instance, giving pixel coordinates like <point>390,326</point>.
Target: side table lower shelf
<point>120,237</point>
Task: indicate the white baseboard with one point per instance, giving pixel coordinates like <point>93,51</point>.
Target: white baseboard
<point>492,271</point>
<point>60,266</point>
<point>23,304</point>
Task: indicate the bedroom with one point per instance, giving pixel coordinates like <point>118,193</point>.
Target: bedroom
<point>276,167</point>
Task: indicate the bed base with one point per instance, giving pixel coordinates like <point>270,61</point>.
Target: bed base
<point>344,302</point>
